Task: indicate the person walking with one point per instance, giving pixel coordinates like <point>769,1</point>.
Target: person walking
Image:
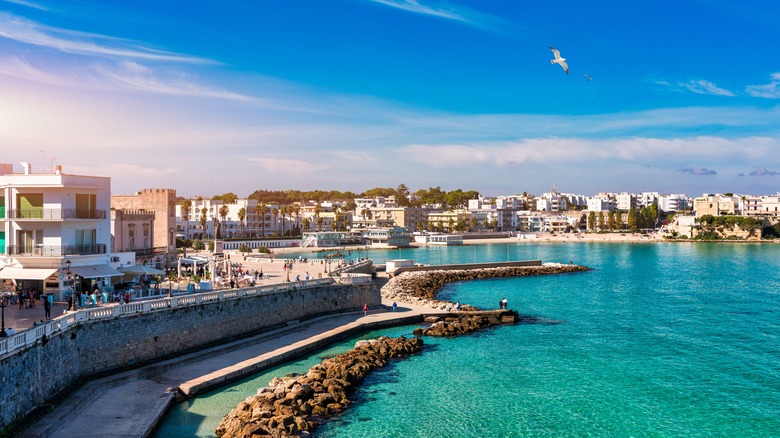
<point>394,306</point>
<point>365,309</point>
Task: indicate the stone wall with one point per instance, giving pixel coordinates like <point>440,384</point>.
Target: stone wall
<point>47,369</point>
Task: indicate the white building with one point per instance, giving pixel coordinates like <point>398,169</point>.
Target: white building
<point>625,201</point>
<point>48,219</point>
<point>674,202</point>
<point>598,203</point>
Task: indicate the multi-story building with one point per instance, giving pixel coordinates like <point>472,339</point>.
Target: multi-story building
<point>598,203</point>
<point>673,202</point>
<point>716,205</point>
<point>55,231</point>
<point>163,203</point>
<point>625,201</point>
<point>133,231</point>
<point>770,205</point>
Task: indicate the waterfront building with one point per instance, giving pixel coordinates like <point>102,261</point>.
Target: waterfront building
<point>133,231</point>
<point>599,203</point>
<point>673,202</point>
<point>324,239</point>
<point>716,205</point>
<point>396,237</point>
<point>625,201</point>
<point>770,205</point>
<point>162,202</point>
<point>48,219</point>
<point>450,220</point>
<point>438,238</point>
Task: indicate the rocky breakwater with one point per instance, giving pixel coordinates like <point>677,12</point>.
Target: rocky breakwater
<point>467,322</point>
<point>421,287</point>
<point>289,406</point>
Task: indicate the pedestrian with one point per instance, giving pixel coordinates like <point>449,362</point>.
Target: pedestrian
<point>70,302</point>
<point>47,307</point>
<point>365,309</point>
<point>307,276</point>
<point>503,303</point>
<point>21,299</point>
<point>457,306</point>
<point>394,306</point>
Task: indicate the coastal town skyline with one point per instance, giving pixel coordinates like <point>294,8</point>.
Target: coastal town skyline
<point>370,93</point>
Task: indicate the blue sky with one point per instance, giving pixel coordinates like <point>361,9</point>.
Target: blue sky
<point>210,97</point>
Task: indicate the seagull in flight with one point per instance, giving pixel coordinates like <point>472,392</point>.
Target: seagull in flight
<point>558,60</point>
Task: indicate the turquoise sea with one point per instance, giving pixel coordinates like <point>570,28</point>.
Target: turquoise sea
<point>659,339</point>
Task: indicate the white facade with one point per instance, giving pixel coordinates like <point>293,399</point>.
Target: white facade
<point>601,204</point>
<point>48,219</point>
<point>673,202</point>
<point>625,201</point>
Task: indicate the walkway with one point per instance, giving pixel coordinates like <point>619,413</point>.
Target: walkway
<point>132,403</point>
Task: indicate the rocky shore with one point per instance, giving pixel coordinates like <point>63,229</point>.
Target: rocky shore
<point>289,406</point>
<point>464,323</point>
<point>420,288</point>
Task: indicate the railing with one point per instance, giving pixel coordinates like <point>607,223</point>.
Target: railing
<point>353,279</point>
<point>61,323</point>
<point>352,267</point>
<point>55,213</point>
<point>55,250</point>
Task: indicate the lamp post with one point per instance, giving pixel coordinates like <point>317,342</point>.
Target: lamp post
<point>69,276</point>
<point>3,305</point>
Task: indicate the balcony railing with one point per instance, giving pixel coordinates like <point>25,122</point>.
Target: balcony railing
<point>55,213</point>
<point>54,250</point>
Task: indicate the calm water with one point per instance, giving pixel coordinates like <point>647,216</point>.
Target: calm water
<point>656,340</point>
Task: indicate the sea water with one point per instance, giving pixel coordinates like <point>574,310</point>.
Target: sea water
<point>658,339</point>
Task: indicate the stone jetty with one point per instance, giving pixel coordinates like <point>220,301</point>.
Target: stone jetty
<point>464,323</point>
<point>290,406</point>
<point>420,288</point>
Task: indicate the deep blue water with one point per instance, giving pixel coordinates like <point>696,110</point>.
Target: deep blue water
<point>658,339</point>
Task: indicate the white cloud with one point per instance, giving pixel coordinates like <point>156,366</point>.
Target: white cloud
<point>768,91</point>
<point>551,151</point>
<point>28,4</point>
<point>29,32</point>
<point>705,87</point>
<point>118,76</point>
<point>287,167</point>
<point>448,11</point>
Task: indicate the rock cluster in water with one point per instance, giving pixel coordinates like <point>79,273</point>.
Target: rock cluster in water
<point>466,322</point>
<point>421,287</point>
<point>289,406</point>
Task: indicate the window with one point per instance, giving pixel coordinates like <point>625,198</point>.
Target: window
<point>30,205</point>
<point>85,206</point>
<point>131,237</point>
<point>85,240</point>
<point>30,241</point>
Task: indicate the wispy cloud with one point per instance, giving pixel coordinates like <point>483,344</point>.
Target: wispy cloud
<point>447,11</point>
<point>768,91</point>
<point>698,171</point>
<point>116,76</point>
<point>282,166</point>
<point>705,87</point>
<point>67,41</point>
<point>760,171</point>
<point>28,4</point>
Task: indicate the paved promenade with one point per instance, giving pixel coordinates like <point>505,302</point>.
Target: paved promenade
<point>130,404</point>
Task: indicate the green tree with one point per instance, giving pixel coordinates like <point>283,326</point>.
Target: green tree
<point>602,221</point>
<point>203,220</point>
<point>592,221</point>
<point>402,195</point>
<point>633,216</point>
<point>241,217</point>
<point>223,212</point>
<point>275,213</point>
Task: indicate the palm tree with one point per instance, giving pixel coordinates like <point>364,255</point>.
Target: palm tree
<point>186,206</point>
<point>319,220</point>
<point>339,217</point>
<point>275,212</point>
<point>296,208</point>
<point>241,217</point>
<point>223,212</point>
<point>305,224</point>
<point>203,219</point>
<point>283,210</point>
<point>264,210</point>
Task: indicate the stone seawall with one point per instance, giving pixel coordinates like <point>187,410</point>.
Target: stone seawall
<point>421,287</point>
<point>34,376</point>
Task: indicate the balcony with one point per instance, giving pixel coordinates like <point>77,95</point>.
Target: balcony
<point>54,214</point>
<point>54,250</point>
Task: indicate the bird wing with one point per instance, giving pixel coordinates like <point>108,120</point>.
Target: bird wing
<point>555,52</point>
<point>565,66</point>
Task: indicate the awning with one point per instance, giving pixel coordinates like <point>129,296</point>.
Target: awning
<point>95,271</point>
<point>26,273</point>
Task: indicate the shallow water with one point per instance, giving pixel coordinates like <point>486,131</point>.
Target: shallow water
<point>657,340</point>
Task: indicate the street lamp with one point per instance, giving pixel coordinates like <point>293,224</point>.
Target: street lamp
<point>3,305</point>
<point>69,275</point>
